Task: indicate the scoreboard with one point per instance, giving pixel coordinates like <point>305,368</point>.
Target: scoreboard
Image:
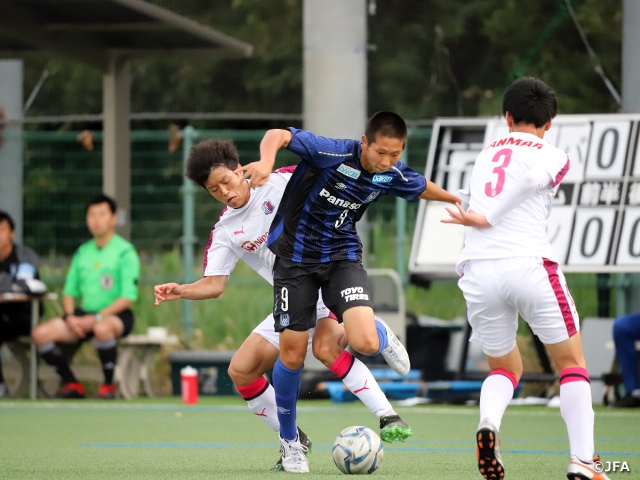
<point>594,224</point>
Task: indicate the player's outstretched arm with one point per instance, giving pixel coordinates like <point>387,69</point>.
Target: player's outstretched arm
<point>468,219</point>
<point>259,171</point>
<point>203,289</point>
<point>533,180</point>
<point>439,194</point>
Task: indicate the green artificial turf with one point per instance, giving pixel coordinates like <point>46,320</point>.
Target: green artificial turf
<point>220,438</point>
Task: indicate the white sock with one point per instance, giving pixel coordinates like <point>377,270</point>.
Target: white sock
<point>496,393</point>
<point>359,379</point>
<point>577,413</point>
<point>261,399</point>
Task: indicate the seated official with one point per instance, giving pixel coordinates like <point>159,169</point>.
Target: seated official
<point>17,265</point>
<point>104,276</point>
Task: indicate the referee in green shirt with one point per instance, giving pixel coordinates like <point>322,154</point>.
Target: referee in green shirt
<point>103,277</point>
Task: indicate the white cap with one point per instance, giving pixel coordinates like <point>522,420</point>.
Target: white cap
<point>189,371</point>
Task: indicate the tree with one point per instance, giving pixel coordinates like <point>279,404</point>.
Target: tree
<point>428,58</point>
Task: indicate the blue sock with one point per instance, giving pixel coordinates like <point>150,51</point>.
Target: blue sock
<point>382,336</point>
<point>286,383</point>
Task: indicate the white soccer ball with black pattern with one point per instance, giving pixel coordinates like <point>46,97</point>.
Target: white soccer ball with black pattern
<point>357,450</point>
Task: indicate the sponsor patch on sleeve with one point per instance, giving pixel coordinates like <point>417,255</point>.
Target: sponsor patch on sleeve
<point>382,178</point>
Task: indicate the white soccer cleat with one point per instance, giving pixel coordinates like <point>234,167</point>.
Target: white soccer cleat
<point>488,451</point>
<point>293,456</point>
<point>394,353</point>
<point>579,470</point>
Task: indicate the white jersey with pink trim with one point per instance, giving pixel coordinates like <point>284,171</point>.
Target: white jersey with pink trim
<point>241,233</point>
<point>521,232</point>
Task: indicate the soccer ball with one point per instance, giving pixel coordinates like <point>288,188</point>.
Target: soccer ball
<point>357,450</point>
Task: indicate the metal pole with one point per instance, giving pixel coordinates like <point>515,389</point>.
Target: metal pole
<point>33,381</point>
<point>11,163</point>
<point>401,231</point>
<point>188,235</point>
<point>335,74</point>
<point>629,293</point>
<point>116,143</point>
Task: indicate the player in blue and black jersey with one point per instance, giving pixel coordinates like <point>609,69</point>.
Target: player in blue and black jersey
<point>314,238</point>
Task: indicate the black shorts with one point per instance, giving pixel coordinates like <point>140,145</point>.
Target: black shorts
<point>126,316</point>
<point>344,285</point>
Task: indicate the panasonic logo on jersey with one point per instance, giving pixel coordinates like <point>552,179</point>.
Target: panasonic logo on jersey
<point>339,202</point>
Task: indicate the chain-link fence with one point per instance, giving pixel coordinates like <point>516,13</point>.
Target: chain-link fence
<point>61,175</point>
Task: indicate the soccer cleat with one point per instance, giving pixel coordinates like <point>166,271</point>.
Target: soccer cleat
<point>394,353</point>
<point>628,401</point>
<point>293,454</point>
<point>579,470</point>
<point>107,391</point>
<point>488,451</point>
<point>71,390</point>
<point>392,428</point>
<point>304,440</point>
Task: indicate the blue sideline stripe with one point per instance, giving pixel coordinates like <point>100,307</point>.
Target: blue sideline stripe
<point>328,447</point>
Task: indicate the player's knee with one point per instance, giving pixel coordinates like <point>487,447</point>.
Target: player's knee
<point>38,335</point>
<point>366,345</point>
<point>103,332</point>
<point>43,333</point>
<point>326,352</point>
<point>240,375</point>
<point>292,359</point>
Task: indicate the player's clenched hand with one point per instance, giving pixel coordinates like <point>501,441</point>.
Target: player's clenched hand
<point>167,292</point>
<point>258,172</point>
<point>73,323</point>
<point>468,219</point>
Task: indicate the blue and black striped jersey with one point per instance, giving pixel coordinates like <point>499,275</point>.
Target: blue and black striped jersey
<point>328,192</point>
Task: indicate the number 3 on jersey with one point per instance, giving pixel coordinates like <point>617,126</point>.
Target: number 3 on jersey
<point>505,156</point>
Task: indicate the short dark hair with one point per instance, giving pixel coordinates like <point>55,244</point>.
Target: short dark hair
<point>101,198</point>
<point>530,100</point>
<point>5,216</point>
<point>209,155</point>
<point>386,124</point>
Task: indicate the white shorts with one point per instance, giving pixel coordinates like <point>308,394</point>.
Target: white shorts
<point>497,290</point>
<point>267,331</point>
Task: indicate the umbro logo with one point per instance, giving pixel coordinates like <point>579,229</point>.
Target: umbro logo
<point>341,186</point>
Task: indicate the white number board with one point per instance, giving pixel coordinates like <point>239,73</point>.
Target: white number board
<point>594,225</point>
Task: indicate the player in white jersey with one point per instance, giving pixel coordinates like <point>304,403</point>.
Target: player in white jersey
<point>241,233</point>
<point>507,267</point>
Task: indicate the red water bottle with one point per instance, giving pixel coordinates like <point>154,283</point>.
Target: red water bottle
<point>189,385</point>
